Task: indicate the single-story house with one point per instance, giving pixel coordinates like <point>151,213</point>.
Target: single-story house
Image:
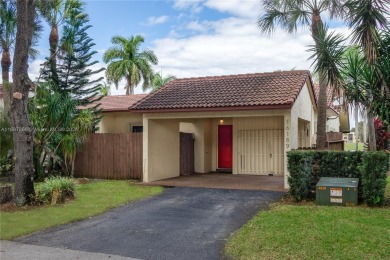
<point>116,116</point>
<point>243,124</point>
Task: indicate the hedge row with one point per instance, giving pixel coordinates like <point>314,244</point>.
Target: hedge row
<point>307,167</point>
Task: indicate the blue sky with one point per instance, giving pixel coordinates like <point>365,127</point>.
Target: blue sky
<point>195,37</point>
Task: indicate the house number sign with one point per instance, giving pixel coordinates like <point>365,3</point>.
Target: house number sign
<point>287,140</point>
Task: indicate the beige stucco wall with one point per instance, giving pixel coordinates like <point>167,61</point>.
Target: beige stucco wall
<point>333,124</point>
<point>161,149</point>
<point>119,122</point>
<point>304,109</point>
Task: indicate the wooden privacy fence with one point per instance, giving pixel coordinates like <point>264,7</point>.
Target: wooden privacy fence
<point>110,156</point>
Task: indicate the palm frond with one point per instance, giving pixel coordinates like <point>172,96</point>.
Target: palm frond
<point>328,55</point>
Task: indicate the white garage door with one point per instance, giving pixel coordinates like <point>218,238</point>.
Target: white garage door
<point>260,152</point>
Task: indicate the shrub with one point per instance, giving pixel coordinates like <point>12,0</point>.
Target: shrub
<point>44,191</point>
<point>375,165</point>
<point>300,168</point>
<point>307,167</point>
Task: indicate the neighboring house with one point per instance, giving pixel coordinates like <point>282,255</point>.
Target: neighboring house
<point>116,116</point>
<point>350,137</point>
<point>337,116</point>
<point>241,123</point>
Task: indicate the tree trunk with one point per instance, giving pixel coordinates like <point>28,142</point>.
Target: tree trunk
<point>365,126</point>
<point>129,87</point>
<point>53,41</point>
<point>5,67</point>
<point>23,133</point>
<point>371,133</point>
<point>321,118</point>
<point>357,126</point>
<point>316,22</point>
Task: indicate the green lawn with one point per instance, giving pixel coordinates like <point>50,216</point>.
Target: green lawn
<point>352,146</point>
<point>91,199</point>
<point>314,232</point>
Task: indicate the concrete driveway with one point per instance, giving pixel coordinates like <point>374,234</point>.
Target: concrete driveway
<point>181,223</point>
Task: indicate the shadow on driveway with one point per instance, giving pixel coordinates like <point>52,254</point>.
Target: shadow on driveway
<point>180,223</point>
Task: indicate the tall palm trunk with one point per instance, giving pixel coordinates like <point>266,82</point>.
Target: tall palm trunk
<point>356,108</point>
<point>321,118</point>
<point>130,87</point>
<point>316,22</point>
<point>5,67</point>
<point>23,138</point>
<point>53,41</point>
<point>364,126</point>
<point>371,132</point>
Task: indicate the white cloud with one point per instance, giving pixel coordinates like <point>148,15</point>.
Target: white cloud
<point>198,27</point>
<point>242,8</point>
<point>153,20</point>
<point>234,46</point>
<point>195,6</point>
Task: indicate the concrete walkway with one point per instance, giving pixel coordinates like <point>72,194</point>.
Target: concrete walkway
<point>225,181</point>
<point>17,251</point>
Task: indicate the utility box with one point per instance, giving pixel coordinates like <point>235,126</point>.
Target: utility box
<point>337,191</point>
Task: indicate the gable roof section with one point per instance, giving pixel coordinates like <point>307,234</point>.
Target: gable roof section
<point>119,103</point>
<point>329,98</point>
<point>232,92</point>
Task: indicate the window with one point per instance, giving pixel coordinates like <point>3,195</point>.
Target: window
<point>137,129</point>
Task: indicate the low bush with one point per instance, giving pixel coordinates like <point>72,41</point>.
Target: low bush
<point>300,168</point>
<point>374,170</point>
<point>54,185</point>
<point>307,167</point>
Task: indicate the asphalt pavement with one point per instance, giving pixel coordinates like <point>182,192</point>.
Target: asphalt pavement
<point>180,223</point>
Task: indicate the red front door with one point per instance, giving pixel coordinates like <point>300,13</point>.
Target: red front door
<point>225,146</point>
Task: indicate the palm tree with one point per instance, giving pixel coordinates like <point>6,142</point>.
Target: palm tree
<point>159,81</point>
<point>8,23</point>
<point>366,18</point>
<point>83,123</point>
<point>126,61</point>
<point>289,14</point>
<point>55,12</point>
<point>353,82</point>
<point>7,40</point>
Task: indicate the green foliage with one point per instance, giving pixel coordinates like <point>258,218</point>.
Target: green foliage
<point>375,166</point>
<point>6,166</point>
<point>6,142</point>
<point>45,190</point>
<point>300,168</point>
<point>307,167</point>
<point>159,81</point>
<point>75,69</point>
<point>126,61</point>
<point>58,110</point>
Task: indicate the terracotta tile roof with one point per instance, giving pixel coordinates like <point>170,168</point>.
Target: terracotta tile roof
<point>119,103</point>
<point>246,91</point>
<point>329,98</point>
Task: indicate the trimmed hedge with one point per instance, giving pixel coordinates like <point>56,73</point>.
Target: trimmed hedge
<point>307,167</point>
<point>374,170</point>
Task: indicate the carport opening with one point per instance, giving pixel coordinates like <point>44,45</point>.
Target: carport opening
<point>187,149</point>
